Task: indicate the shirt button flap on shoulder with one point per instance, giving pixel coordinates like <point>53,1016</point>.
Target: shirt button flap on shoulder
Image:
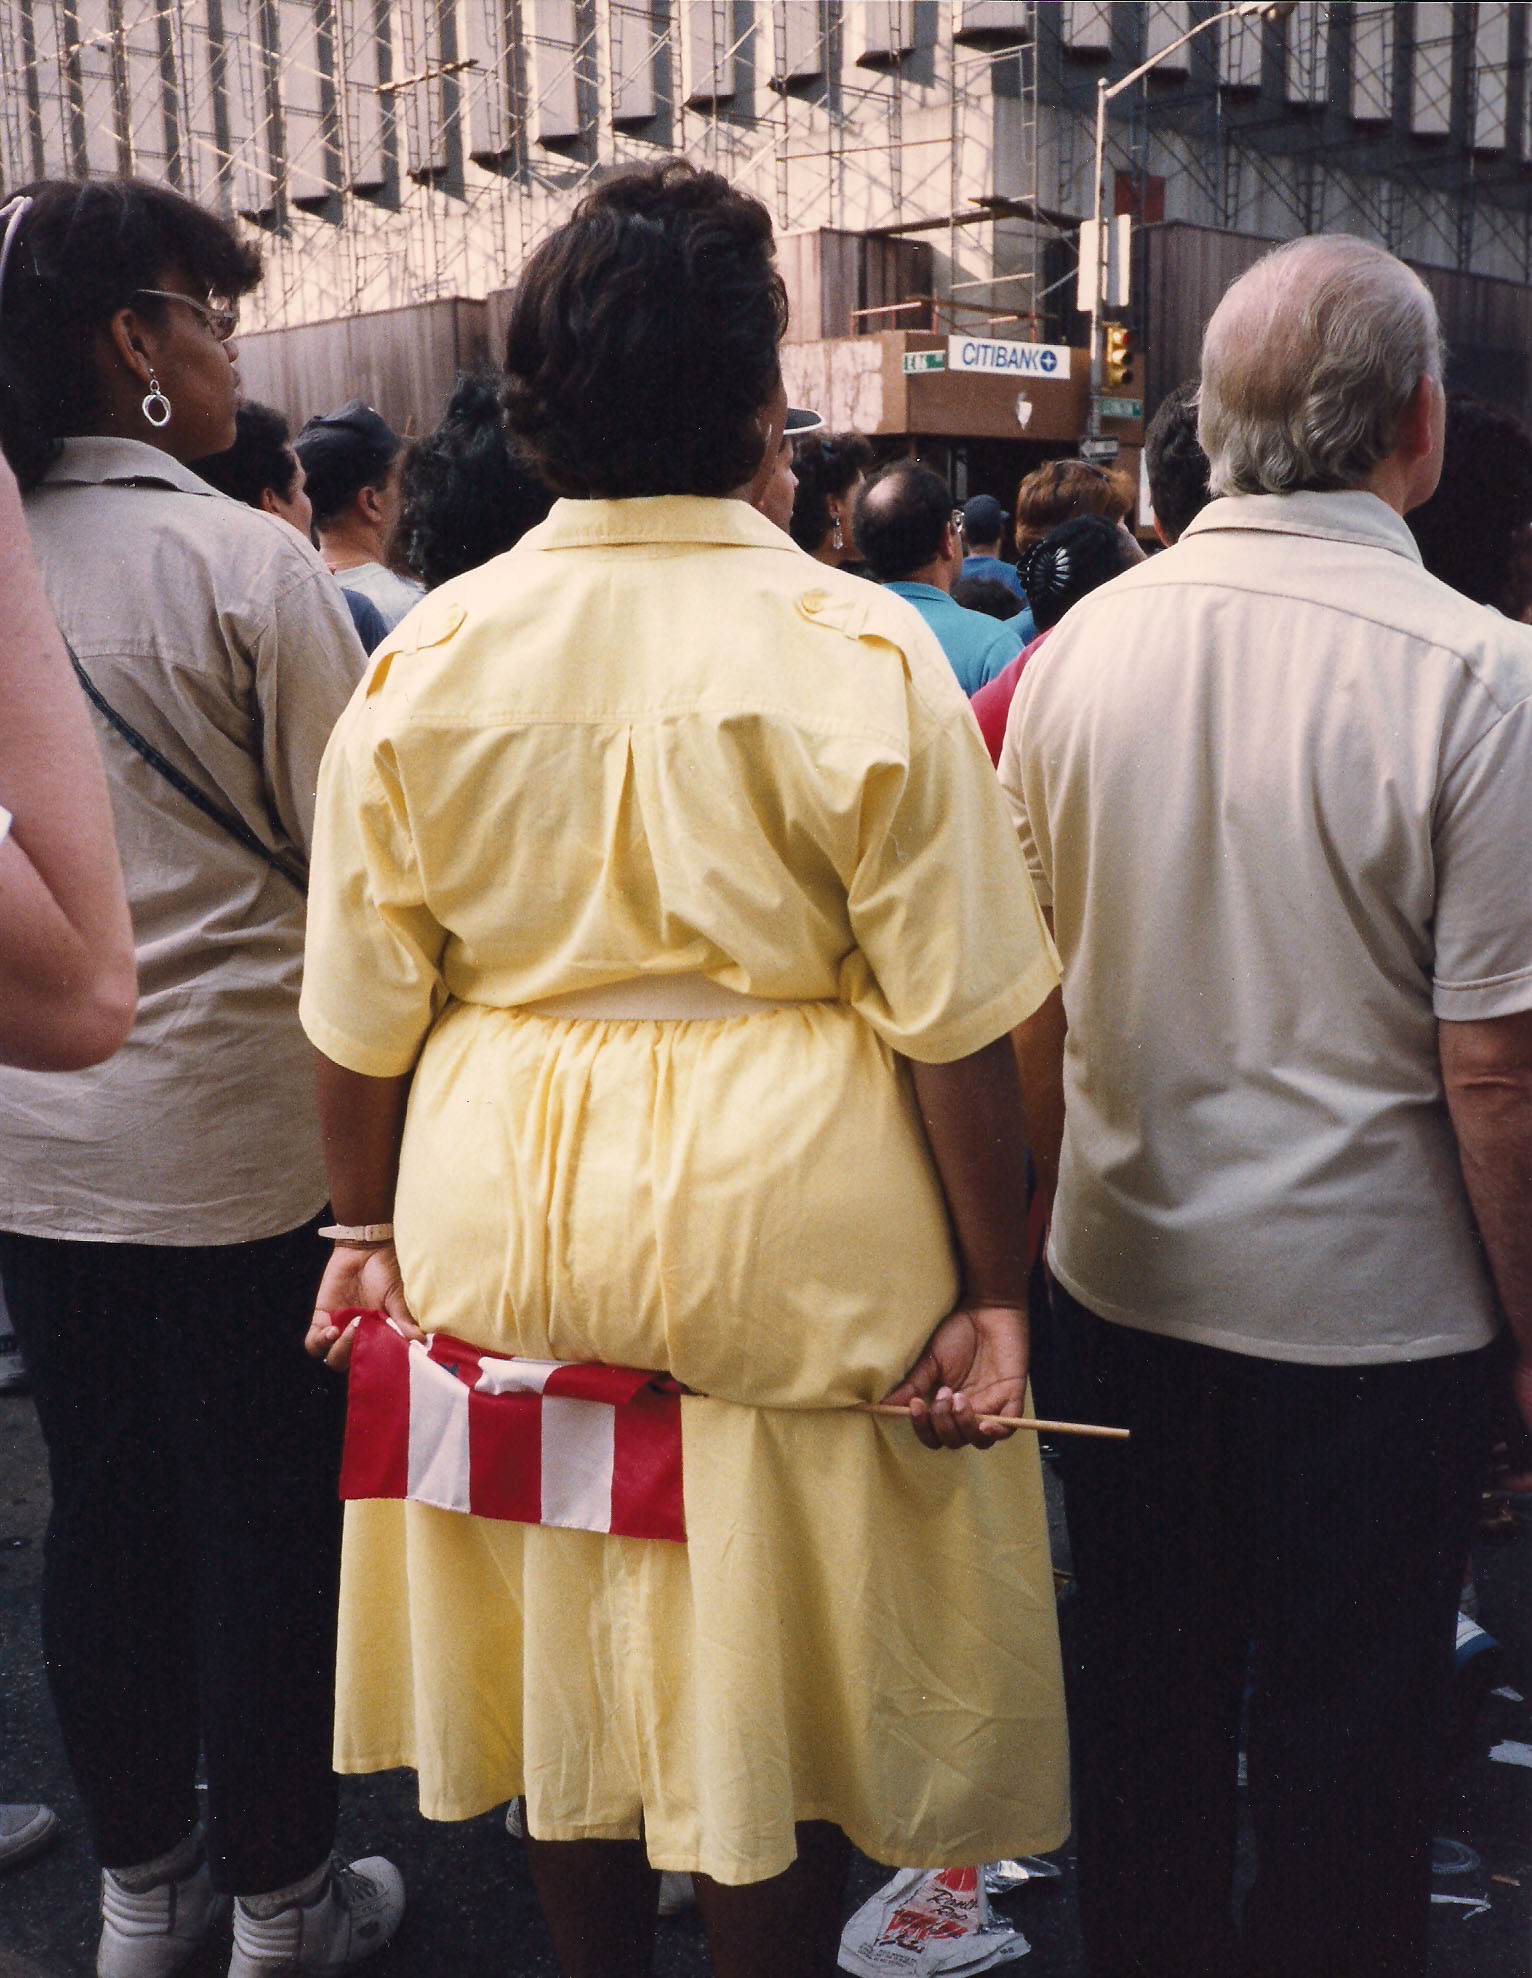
<point>836,612</point>
<point>431,623</point>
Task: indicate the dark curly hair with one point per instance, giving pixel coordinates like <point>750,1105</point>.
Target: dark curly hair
<point>261,457</point>
<point>80,254</point>
<point>824,466</point>
<point>1069,563</point>
<point>1472,533</point>
<point>467,496</point>
<point>1175,463</point>
<point>643,339</point>
<point>986,594</point>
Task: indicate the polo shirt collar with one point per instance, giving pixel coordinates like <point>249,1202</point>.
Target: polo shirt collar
<point>903,588</point>
<point>657,519</point>
<point>100,459</point>
<point>1351,515</point>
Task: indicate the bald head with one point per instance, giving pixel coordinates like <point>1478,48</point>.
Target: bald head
<point>904,525</point>
<point>1309,366</point>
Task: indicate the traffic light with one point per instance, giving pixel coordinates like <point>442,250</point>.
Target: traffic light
<point>1119,358</point>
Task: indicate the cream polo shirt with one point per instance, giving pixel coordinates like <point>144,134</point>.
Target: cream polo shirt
<point>1277,784</point>
<point>218,634</point>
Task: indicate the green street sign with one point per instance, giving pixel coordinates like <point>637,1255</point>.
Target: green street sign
<point>1120,408</point>
<point>923,360</point>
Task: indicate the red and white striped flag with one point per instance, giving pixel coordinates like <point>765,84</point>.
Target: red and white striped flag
<point>540,1442</point>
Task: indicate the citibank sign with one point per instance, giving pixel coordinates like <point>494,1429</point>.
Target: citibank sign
<point>1010,360</point>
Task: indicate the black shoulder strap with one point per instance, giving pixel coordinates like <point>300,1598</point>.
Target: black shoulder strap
<point>236,827</point>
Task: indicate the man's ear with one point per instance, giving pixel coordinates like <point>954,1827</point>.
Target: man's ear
<point>1415,428</point>
<point>269,500</point>
<point>369,504</point>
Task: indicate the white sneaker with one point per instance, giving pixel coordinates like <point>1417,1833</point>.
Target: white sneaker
<point>24,1832</point>
<point>354,1914</point>
<point>150,1933</point>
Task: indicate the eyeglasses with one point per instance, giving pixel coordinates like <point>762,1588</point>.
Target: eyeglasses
<point>221,319</point>
<point>957,520</point>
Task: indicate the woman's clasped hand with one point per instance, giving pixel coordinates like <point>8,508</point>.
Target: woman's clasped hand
<point>974,1366</point>
<point>358,1278</point>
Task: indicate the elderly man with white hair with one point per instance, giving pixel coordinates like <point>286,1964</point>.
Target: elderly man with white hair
<point>1277,787</point>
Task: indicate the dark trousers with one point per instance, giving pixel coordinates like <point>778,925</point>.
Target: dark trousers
<point>192,1565</point>
<point>1303,1527</point>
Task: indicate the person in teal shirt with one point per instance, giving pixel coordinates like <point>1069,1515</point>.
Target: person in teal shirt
<point>984,523</point>
<point>913,545</point>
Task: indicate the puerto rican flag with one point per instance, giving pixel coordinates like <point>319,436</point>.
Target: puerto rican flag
<point>540,1442</point>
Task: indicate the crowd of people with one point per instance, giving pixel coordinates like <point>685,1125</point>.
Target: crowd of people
<point>532,916</point>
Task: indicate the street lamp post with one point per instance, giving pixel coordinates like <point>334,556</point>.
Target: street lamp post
<point>1269,10</point>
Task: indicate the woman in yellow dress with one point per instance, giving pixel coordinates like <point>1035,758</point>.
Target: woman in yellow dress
<point>666,934</point>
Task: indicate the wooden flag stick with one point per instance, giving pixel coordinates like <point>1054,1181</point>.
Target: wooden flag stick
<point>990,1422</point>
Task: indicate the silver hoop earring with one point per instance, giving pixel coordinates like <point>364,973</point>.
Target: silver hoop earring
<point>156,406</point>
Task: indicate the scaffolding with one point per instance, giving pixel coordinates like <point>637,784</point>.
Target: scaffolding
<point>397,151</point>
<point>1406,124</point>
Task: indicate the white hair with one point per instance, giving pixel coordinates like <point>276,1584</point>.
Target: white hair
<point>1308,363</point>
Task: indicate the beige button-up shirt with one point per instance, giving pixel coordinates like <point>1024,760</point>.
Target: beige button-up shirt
<point>1277,784</point>
<point>219,635</point>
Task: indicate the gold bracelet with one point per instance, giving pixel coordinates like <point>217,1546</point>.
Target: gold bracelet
<point>359,1232</point>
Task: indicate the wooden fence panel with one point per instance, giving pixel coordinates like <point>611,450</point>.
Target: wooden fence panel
<point>402,361</point>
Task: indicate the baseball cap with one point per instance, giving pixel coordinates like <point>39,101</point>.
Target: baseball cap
<point>983,519</point>
<point>355,425</point>
<point>344,451</point>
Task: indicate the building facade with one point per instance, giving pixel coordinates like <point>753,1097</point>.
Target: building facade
<point>927,161</point>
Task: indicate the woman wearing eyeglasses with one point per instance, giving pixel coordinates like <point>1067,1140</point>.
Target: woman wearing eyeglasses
<point>158,1223</point>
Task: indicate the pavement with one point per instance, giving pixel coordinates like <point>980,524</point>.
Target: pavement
<point>472,1913</point>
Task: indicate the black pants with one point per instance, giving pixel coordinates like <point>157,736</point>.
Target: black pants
<point>1303,1527</point>
<point>192,1565</point>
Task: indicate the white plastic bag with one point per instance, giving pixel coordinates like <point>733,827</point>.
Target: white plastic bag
<point>1004,1878</point>
<point>925,1922</point>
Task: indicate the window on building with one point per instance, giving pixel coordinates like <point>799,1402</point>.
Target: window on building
<point>1372,62</point>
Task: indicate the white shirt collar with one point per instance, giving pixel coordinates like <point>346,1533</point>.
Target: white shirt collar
<point>94,459</point>
<point>1349,515</point>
